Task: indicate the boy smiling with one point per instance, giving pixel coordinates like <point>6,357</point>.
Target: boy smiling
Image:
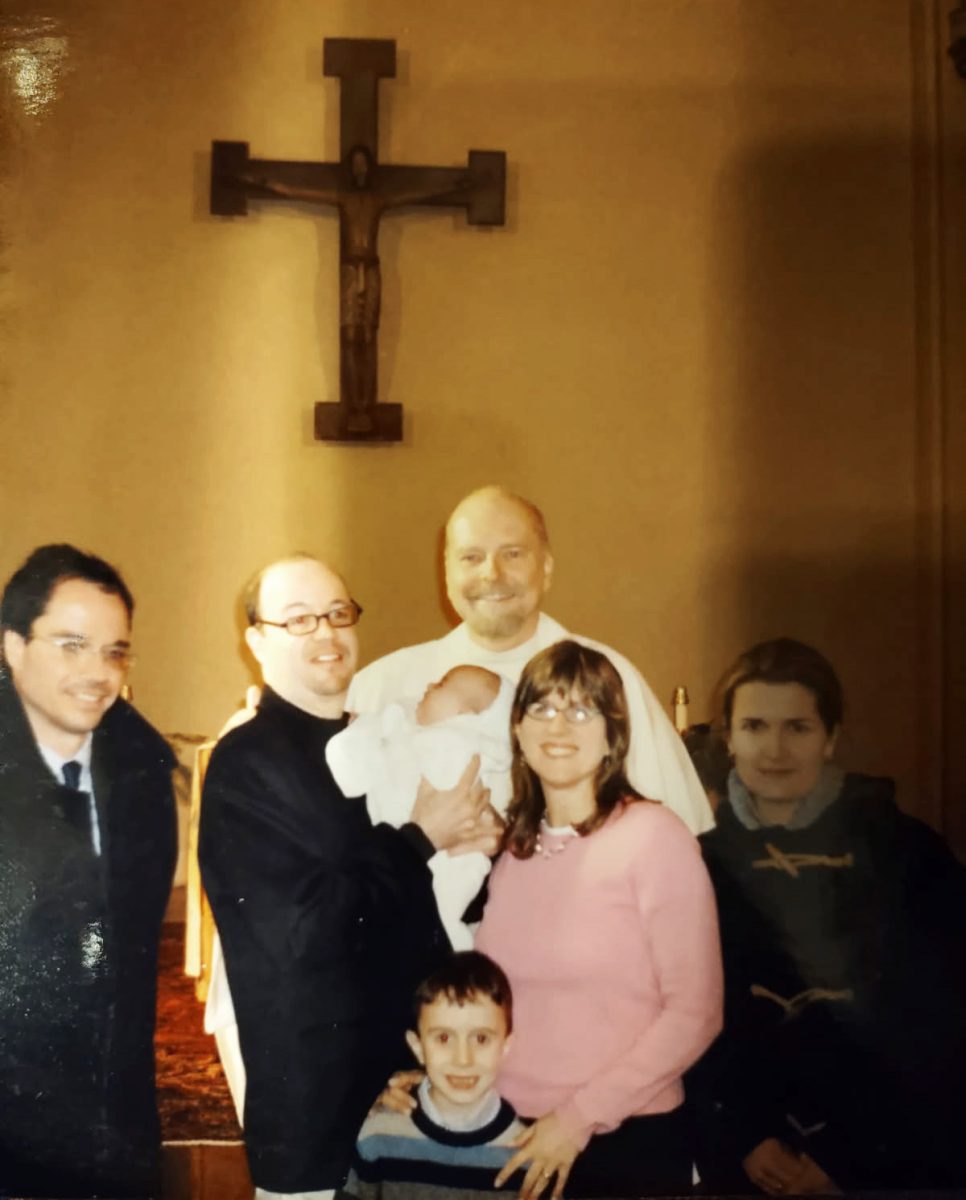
<point>460,1131</point>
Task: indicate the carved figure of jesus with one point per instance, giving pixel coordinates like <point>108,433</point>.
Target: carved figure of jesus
<point>361,200</point>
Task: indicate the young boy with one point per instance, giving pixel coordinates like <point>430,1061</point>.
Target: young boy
<point>383,756</point>
<point>460,1131</point>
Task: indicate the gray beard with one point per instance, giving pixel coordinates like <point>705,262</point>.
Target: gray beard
<point>503,626</point>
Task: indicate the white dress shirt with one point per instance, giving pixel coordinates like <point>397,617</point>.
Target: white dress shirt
<point>86,783</point>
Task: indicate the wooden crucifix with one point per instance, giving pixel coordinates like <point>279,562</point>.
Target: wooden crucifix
<point>362,189</point>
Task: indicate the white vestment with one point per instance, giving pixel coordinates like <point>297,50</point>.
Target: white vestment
<point>658,765</point>
<point>383,756</point>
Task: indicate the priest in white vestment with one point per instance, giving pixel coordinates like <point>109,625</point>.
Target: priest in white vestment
<point>498,568</point>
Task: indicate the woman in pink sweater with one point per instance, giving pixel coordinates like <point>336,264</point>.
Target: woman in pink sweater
<point>602,915</point>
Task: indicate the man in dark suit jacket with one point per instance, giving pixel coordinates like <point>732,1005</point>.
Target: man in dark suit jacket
<point>327,923</point>
<point>87,848</point>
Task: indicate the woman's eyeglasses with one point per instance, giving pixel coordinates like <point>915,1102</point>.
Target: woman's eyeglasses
<point>574,714</point>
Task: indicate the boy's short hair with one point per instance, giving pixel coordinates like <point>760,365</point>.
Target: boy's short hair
<point>464,976</point>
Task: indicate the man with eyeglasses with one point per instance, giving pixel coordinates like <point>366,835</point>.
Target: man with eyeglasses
<point>326,922</point>
<point>87,850</point>
<point>498,569</point>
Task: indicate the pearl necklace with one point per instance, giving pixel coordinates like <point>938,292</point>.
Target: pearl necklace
<point>565,836</point>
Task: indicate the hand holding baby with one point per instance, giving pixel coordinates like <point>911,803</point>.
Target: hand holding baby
<point>453,817</point>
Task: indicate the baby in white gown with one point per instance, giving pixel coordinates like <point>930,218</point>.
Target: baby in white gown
<point>383,756</point>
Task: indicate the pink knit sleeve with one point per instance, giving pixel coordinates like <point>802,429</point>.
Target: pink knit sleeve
<point>679,931</point>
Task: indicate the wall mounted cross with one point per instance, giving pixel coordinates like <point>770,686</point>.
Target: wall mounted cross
<point>361,189</point>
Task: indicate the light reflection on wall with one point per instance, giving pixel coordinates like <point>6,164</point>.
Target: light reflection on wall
<point>34,59</point>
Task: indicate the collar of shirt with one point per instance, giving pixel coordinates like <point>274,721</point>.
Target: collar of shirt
<point>85,784</point>
<point>476,1116</point>
<point>83,756</point>
<point>811,806</point>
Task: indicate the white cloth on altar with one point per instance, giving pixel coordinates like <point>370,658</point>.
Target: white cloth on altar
<point>220,1022</point>
<point>219,1010</point>
<point>657,762</point>
<point>219,1007</point>
<point>383,755</point>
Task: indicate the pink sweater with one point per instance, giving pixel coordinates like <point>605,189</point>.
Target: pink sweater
<point>611,948</point>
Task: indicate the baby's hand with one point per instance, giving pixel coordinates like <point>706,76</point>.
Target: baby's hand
<point>397,1094</point>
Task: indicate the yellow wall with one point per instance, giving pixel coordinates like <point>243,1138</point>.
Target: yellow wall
<point>698,343</point>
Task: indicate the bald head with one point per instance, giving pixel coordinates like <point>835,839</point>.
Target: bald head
<point>498,566</point>
<point>310,670</point>
<point>251,595</point>
<point>493,497</point>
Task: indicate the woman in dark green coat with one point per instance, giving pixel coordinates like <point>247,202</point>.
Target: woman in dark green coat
<point>843,924</point>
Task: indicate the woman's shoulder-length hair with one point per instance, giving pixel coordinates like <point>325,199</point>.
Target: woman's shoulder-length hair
<point>568,668</point>
<point>782,660</point>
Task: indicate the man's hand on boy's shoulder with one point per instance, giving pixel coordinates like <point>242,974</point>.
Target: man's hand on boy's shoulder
<point>397,1095</point>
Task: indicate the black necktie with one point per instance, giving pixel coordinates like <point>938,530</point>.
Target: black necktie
<point>77,807</point>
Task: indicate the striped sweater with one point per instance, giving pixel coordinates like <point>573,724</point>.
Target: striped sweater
<point>405,1157</point>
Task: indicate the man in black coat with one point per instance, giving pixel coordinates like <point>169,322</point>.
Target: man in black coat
<point>327,923</point>
<point>87,848</point>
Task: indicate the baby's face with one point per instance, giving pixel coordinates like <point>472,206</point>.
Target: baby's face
<point>462,690</point>
<point>461,1046</point>
<point>446,698</point>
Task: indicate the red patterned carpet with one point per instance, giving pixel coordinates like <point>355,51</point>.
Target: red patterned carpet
<point>192,1094</point>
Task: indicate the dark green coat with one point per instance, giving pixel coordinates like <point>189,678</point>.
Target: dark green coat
<point>867,1074</point>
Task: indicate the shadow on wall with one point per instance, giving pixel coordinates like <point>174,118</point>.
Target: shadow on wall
<point>849,605</point>
<point>816,426</point>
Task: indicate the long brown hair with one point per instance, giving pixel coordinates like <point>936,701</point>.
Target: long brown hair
<point>567,667</point>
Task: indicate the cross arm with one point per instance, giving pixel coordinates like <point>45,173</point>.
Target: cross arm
<point>236,178</point>
<point>480,187</point>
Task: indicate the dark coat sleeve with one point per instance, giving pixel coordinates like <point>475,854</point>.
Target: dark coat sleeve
<point>894,1060</point>
<point>924,978</point>
<point>327,924</point>
<point>79,937</point>
<point>301,870</point>
<point>733,1088</point>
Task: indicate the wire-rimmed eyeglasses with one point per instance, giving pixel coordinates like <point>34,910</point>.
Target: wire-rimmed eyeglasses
<point>340,616</point>
<point>76,648</point>
<point>574,714</point>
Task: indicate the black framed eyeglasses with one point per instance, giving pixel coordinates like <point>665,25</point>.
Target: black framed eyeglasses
<point>341,616</point>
